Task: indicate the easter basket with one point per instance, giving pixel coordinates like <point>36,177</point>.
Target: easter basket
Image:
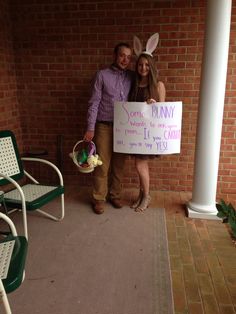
<point>84,156</point>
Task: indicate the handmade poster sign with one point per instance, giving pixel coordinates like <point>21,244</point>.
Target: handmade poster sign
<point>153,129</point>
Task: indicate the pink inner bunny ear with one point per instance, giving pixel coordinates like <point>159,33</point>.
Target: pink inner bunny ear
<point>137,46</point>
<point>152,43</point>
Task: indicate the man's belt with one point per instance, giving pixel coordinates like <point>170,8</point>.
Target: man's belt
<point>106,122</point>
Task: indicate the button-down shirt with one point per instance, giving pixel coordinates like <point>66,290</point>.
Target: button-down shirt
<point>110,85</point>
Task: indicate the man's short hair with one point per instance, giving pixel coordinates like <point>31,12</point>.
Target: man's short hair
<point>120,45</point>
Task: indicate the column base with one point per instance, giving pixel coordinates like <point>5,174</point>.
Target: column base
<point>201,212</point>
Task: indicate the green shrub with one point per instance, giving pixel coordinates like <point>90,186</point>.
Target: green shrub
<point>228,215</point>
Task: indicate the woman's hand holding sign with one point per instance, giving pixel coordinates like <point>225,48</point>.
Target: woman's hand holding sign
<point>151,101</point>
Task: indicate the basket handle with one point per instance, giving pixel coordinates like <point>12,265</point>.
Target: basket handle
<point>81,141</point>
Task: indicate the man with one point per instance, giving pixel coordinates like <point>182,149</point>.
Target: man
<point>110,85</point>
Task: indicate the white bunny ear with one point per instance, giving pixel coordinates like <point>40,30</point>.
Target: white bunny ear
<point>152,43</point>
<point>137,46</point>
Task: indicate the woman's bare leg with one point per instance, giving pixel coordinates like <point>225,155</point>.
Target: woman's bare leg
<point>143,172</point>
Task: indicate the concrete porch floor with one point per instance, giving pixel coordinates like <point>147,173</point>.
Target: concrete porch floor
<point>202,256</point>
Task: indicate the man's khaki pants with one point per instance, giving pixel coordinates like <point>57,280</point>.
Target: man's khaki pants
<point>108,176</point>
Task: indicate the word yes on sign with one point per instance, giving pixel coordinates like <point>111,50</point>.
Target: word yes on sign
<point>153,129</point>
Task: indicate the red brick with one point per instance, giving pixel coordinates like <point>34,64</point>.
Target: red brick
<point>59,47</point>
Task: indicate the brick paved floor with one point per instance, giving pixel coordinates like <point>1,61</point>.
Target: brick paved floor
<point>203,259</point>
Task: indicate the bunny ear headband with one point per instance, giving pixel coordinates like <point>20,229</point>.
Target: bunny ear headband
<point>150,46</point>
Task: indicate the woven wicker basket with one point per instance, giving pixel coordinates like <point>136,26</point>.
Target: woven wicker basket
<point>77,154</point>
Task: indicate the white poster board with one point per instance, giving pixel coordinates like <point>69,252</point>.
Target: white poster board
<point>153,129</point>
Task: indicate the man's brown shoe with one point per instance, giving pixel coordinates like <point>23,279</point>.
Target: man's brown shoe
<point>116,202</point>
<point>98,207</point>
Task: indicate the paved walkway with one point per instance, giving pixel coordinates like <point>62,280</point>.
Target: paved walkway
<point>203,260</point>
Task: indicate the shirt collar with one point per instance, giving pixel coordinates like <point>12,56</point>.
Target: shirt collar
<point>114,67</point>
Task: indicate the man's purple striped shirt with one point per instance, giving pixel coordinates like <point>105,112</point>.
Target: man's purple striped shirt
<point>110,85</point>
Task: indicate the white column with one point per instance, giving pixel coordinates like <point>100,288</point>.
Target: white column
<point>211,107</point>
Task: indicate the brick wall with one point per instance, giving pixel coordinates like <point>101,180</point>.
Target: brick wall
<point>9,108</point>
<point>60,44</point>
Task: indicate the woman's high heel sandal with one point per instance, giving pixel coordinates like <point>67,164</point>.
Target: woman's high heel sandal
<point>136,203</point>
<point>144,204</point>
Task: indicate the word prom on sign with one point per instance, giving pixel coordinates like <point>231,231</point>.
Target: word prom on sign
<point>153,129</point>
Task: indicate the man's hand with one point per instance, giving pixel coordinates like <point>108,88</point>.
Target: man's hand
<point>88,136</point>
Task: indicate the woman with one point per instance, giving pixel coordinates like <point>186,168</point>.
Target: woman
<point>147,88</point>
